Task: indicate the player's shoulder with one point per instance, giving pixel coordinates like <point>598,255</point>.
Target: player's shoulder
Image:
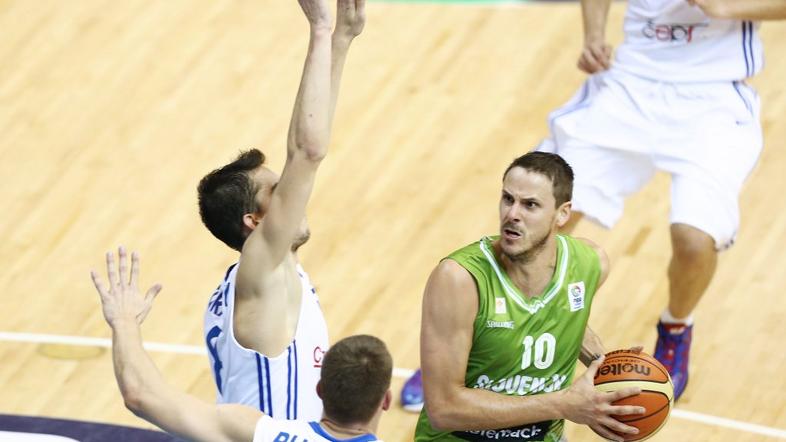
<point>588,251</point>
<point>450,270</point>
<point>583,248</point>
<point>580,243</point>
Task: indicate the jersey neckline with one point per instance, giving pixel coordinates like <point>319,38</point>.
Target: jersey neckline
<point>535,303</point>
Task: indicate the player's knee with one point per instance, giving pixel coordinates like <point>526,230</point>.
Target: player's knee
<point>691,244</point>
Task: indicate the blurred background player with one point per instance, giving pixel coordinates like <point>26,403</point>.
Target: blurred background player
<point>352,409</point>
<point>674,100</point>
<point>504,323</point>
<point>264,329</point>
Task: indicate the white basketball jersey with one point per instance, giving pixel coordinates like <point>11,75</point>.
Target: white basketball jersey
<point>670,40</point>
<point>273,430</point>
<point>282,386</point>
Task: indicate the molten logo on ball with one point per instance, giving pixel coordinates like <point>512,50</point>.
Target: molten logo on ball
<point>619,368</point>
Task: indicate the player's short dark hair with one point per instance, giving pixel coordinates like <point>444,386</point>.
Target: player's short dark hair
<point>551,165</point>
<point>356,375</point>
<point>228,193</point>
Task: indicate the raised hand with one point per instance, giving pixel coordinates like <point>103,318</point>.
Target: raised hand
<point>595,57</point>
<point>122,300</point>
<point>586,405</point>
<point>317,13</point>
<point>350,18</point>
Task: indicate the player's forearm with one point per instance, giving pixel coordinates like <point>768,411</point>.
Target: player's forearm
<point>591,347</point>
<point>594,14</point>
<point>137,376</point>
<point>339,49</point>
<point>744,10</point>
<point>309,129</point>
<point>147,394</point>
<point>478,409</point>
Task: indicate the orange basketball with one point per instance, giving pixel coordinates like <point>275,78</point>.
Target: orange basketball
<point>624,368</point>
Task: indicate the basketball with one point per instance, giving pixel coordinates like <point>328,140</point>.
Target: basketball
<point>624,368</point>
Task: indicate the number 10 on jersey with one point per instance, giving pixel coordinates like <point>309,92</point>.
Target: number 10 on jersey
<point>544,348</point>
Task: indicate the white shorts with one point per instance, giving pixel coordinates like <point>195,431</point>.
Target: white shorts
<point>619,129</point>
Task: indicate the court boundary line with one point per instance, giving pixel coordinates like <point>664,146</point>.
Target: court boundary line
<point>158,347</point>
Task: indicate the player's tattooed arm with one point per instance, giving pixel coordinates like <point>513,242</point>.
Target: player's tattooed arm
<point>596,54</point>
<point>743,10</point>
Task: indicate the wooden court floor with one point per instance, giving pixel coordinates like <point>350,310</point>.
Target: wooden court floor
<point>110,112</point>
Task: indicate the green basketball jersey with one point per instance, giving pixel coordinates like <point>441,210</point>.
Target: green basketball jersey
<point>524,345</point>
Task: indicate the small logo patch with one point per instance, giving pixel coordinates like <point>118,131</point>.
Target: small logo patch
<point>576,296</point>
<point>500,307</point>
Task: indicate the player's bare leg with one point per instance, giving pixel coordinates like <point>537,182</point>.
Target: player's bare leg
<point>692,266</point>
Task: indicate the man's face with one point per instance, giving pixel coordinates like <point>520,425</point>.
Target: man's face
<point>527,212</point>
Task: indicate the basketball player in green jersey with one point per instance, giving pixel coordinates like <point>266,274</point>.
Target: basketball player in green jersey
<point>504,323</point>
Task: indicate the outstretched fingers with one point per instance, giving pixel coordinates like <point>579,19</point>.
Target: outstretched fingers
<point>98,284</point>
<point>134,269</point>
<point>122,266</point>
<point>110,270</point>
<point>152,292</point>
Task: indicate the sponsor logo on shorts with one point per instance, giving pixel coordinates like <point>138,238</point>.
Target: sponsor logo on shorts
<point>530,432</point>
<point>671,32</point>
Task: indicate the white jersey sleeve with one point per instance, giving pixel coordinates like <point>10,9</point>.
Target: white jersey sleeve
<point>672,41</point>
<point>281,386</point>
<point>272,430</point>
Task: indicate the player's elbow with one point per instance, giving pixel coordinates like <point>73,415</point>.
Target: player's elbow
<point>442,414</point>
<point>133,401</point>
<point>308,148</point>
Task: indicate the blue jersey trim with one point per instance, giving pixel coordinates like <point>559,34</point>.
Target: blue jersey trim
<point>268,393</point>
<point>750,48</point>
<point>294,347</point>
<point>260,385</point>
<point>289,383</point>
<point>320,431</point>
<point>745,49</point>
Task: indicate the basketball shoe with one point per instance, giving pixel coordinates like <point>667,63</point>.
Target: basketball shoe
<point>412,393</point>
<point>673,351</point>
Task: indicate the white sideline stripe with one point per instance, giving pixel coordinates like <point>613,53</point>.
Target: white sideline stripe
<point>97,342</point>
<point>728,423</point>
<point>397,372</point>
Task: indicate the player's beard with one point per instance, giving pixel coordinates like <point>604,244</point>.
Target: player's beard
<point>301,239</point>
<point>534,250</point>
